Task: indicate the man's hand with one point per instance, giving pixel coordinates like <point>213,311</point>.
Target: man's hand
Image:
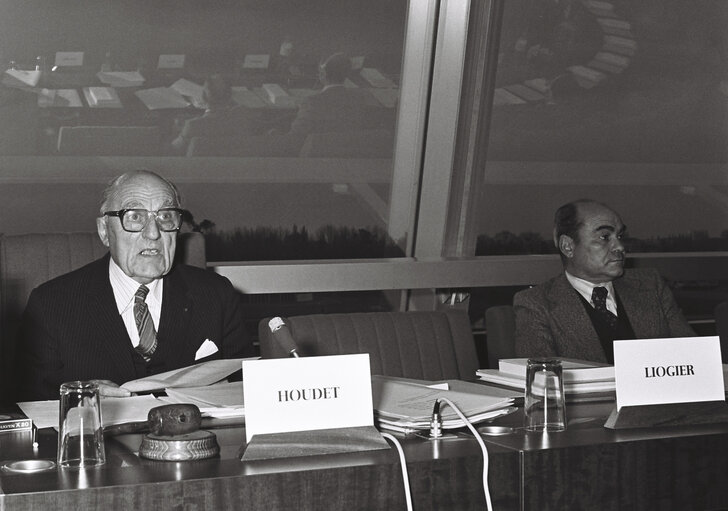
<point>108,388</point>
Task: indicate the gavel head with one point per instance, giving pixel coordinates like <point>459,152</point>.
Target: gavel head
<point>176,419</point>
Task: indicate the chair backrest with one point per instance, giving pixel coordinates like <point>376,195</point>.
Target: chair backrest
<point>378,143</point>
<point>427,345</point>
<point>721,327</point>
<point>269,146</point>
<point>500,329</point>
<point>109,140</point>
<point>28,260</point>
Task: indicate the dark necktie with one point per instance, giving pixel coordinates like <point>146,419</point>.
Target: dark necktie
<point>599,298</point>
<point>144,323</point>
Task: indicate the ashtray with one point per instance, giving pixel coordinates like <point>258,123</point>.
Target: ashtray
<point>28,466</point>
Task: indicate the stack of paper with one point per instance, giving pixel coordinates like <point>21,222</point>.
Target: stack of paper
<point>405,406</point>
<point>121,78</point>
<point>21,78</point>
<point>162,97</point>
<point>247,98</point>
<point>102,97</point>
<point>580,377</point>
<point>191,90</point>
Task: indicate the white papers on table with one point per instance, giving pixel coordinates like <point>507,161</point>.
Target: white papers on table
<point>403,405</point>
<point>121,78</point>
<point>102,97</point>
<point>162,97</point>
<point>376,79</point>
<point>220,400</point>
<point>197,375</point>
<point>573,370</point>
<point>275,93</point>
<point>59,98</point>
<point>247,98</point>
<point>580,377</point>
<point>114,410</point>
<point>190,89</point>
<point>21,78</point>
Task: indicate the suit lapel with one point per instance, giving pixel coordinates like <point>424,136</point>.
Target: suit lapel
<point>572,322</point>
<point>104,317</point>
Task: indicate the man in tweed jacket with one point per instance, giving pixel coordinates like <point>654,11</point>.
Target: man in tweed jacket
<point>559,317</point>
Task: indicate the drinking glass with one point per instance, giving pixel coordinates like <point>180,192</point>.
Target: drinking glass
<point>544,408</point>
<point>80,432</point>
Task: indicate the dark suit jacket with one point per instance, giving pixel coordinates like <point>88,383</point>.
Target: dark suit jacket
<point>72,329</point>
<point>335,109</point>
<point>552,321</point>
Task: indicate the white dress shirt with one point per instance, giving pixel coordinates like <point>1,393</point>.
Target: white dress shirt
<point>124,289</point>
<point>585,288</point>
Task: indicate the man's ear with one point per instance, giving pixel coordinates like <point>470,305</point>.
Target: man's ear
<point>566,245</point>
<point>101,229</point>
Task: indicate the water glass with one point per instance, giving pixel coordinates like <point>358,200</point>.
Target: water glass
<point>80,432</point>
<point>544,407</point>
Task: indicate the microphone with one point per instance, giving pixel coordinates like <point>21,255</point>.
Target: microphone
<point>282,336</point>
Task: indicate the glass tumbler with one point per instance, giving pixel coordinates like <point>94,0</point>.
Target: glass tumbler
<point>80,431</point>
<point>544,406</point>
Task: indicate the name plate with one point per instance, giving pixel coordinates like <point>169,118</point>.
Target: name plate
<point>69,59</point>
<point>171,62</point>
<point>303,394</point>
<point>662,371</point>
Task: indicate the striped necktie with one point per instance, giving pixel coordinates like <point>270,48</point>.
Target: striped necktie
<point>145,325</point>
<point>599,297</point>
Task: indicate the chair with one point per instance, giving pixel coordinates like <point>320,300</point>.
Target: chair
<point>284,145</point>
<point>109,140</point>
<point>500,327</point>
<point>721,328</point>
<point>428,345</point>
<point>377,143</point>
<point>28,260</point>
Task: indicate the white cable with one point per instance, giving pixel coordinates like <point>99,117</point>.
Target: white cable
<point>403,462</point>
<point>482,448</point>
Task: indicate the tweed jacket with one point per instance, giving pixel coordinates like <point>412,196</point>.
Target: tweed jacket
<point>72,330</point>
<point>551,319</point>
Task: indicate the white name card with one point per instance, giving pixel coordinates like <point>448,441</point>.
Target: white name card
<point>171,62</point>
<point>661,371</point>
<point>303,394</point>
<point>69,59</point>
<point>256,61</point>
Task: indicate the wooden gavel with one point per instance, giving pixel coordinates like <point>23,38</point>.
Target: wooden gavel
<point>166,420</point>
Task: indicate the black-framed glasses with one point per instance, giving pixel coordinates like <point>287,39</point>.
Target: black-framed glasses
<point>134,220</point>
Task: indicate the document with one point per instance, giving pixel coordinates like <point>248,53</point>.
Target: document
<point>101,97</point>
<point>21,78</point>
<point>575,371</point>
<point>160,98</point>
<point>59,98</point>
<point>204,373</point>
<point>247,98</point>
<point>121,78</point>
<point>114,410</point>
<point>221,400</point>
<point>403,405</point>
<point>190,89</point>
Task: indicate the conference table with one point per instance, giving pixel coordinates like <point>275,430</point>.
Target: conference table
<point>585,467</point>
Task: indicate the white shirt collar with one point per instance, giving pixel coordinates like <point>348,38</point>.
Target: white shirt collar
<point>125,287</point>
<point>585,289</point>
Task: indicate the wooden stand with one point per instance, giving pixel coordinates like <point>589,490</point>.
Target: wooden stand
<point>674,414</point>
<point>311,443</point>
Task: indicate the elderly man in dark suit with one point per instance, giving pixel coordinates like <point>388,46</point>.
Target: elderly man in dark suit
<point>595,301</point>
<point>335,108</point>
<point>131,313</point>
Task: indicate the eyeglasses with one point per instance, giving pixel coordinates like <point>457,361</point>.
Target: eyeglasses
<point>135,220</point>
